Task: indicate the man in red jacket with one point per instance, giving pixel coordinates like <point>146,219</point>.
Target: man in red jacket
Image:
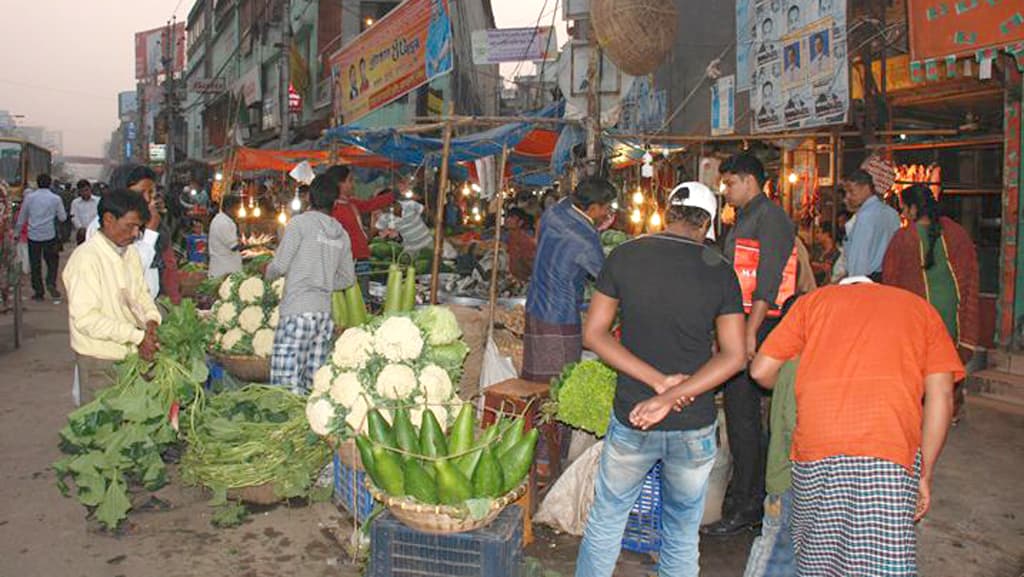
<point>347,210</point>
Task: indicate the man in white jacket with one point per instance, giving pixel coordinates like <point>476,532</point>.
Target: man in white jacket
<point>141,179</point>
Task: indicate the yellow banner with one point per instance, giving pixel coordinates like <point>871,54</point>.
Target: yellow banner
<point>404,50</point>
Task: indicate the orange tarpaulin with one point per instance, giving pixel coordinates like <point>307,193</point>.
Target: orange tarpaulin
<point>959,27</point>
<point>285,160</point>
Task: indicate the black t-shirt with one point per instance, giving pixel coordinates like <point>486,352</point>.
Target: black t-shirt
<point>670,291</point>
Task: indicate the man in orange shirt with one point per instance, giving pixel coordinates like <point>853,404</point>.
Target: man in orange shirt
<point>865,446</point>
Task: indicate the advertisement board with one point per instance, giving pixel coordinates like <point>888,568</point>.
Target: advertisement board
<point>495,46</point>
<point>153,46</point>
<point>127,104</point>
<point>798,63</point>
<point>939,29</point>
<point>407,48</point>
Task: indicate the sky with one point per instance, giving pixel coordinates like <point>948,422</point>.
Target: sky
<point>62,62</point>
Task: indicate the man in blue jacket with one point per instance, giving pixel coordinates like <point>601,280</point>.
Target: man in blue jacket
<point>569,251</point>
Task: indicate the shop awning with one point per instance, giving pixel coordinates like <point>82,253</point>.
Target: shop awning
<point>247,159</point>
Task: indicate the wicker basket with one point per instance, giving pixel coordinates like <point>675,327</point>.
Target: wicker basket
<point>441,519</point>
<point>636,34</point>
<point>257,494</point>
<point>188,283</point>
<point>250,369</point>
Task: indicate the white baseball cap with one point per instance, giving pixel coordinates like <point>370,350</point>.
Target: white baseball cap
<point>697,195</point>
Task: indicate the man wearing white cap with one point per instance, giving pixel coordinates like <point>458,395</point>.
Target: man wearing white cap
<point>675,294</point>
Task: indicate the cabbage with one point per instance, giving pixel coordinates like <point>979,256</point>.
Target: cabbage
<point>449,357</point>
<point>439,324</point>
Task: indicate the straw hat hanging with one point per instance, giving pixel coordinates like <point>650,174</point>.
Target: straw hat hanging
<point>635,34</point>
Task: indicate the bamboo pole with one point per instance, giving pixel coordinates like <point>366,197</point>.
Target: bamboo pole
<point>442,190</point>
<point>493,301</point>
<point>778,136</point>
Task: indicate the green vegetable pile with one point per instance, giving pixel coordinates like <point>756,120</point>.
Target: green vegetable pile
<point>611,239</point>
<point>253,436</point>
<point>458,469</point>
<point>582,396</point>
<point>116,441</point>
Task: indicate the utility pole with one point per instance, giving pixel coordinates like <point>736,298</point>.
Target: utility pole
<point>170,49</point>
<point>593,103</point>
<point>286,62</point>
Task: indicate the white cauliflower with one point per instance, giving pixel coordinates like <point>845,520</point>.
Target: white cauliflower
<point>319,413</point>
<point>251,290</point>
<point>227,289</point>
<point>251,319</point>
<point>398,339</point>
<point>278,287</point>
<point>231,339</point>
<point>396,382</point>
<point>352,349</point>
<point>226,313</point>
<point>345,389</point>
<point>263,343</point>
<point>357,414</point>
<point>321,381</point>
<point>436,384</point>
<point>275,318</point>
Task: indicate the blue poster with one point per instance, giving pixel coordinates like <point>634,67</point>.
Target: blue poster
<point>745,33</point>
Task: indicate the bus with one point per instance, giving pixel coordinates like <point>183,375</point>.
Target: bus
<point>20,162</point>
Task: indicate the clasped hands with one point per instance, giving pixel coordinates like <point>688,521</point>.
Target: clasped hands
<point>654,410</point>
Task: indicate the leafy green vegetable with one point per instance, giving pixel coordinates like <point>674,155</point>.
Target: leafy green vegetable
<point>584,393</point>
<point>256,264</point>
<point>229,515</point>
<point>116,440</point>
<point>253,436</point>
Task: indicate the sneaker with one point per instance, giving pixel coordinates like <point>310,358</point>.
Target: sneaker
<point>55,294</point>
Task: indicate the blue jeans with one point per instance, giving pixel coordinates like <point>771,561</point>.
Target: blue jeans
<point>628,454</point>
<point>772,553</point>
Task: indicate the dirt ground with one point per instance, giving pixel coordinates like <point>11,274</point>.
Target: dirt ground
<point>975,529</point>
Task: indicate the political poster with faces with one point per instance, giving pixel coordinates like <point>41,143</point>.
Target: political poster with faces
<point>797,64</point>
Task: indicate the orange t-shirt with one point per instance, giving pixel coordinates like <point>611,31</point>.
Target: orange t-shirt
<point>864,351</point>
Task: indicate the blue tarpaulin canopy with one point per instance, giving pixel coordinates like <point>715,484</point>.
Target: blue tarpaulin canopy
<point>418,150</point>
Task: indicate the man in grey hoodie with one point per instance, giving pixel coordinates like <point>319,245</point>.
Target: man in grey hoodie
<point>315,257</point>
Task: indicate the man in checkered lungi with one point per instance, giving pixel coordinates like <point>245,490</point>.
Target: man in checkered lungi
<point>315,257</point>
<point>874,397</point>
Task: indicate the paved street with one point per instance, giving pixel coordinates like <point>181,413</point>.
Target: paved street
<point>975,530</point>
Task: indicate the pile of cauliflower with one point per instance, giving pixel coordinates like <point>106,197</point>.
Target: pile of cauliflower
<point>391,361</point>
<point>246,315</point>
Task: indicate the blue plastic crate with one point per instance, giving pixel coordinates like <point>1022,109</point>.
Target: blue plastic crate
<point>350,490</point>
<point>492,551</point>
<point>643,530</point>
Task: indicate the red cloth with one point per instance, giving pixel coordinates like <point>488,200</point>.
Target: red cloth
<point>169,281</point>
<point>521,250</point>
<point>902,268</point>
<point>346,211</point>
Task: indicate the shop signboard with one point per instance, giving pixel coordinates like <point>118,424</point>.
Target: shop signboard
<point>495,46</point>
<point>940,29</point>
<point>404,50</point>
<point>798,69</point>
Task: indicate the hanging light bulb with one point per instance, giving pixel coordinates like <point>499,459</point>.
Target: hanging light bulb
<point>282,217</point>
<point>615,205</point>
<point>465,190</point>
<point>408,194</point>
<point>241,211</point>
<point>637,217</point>
<point>296,204</point>
<point>218,177</point>
<point>793,178</point>
<point>257,212</point>
<point>638,197</point>
<point>655,221</point>
<point>477,217</point>
<point>476,210</point>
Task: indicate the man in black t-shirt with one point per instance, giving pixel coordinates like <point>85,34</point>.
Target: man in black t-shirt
<point>674,294</point>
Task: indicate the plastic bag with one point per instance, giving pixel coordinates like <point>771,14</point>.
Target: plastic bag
<point>568,502</point>
<point>496,368</point>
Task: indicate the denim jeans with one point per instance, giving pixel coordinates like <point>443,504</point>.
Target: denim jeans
<point>772,553</point>
<point>687,458</point>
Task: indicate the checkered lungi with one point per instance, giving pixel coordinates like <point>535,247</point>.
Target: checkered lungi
<point>302,344</point>
<point>854,517</point>
<point>548,347</point>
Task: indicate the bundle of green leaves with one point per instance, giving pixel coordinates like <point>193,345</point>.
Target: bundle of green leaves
<point>391,361</point>
<point>246,314</point>
<point>583,395</point>
<point>116,441</point>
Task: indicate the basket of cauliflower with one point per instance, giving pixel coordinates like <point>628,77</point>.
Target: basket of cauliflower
<point>245,317</point>
<point>410,360</point>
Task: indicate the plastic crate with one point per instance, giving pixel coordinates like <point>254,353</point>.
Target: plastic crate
<point>350,490</point>
<point>643,529</point>
<point>492,551</point>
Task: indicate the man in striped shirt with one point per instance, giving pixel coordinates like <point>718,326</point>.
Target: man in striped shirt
<point>406,219</point>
